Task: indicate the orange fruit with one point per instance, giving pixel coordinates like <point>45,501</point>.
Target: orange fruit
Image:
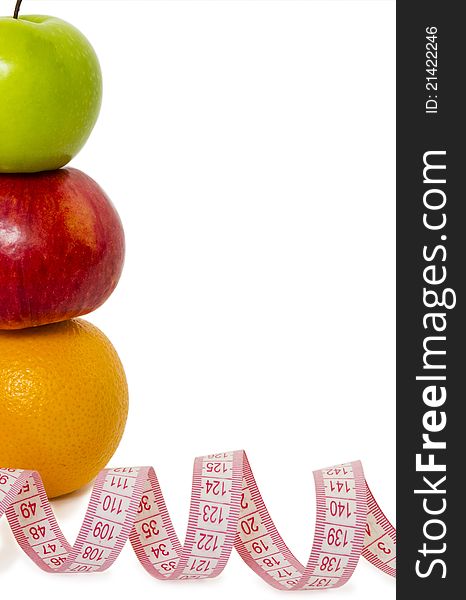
<point>63,402</point>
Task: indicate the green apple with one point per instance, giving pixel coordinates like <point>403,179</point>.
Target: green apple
<point>50,93</point>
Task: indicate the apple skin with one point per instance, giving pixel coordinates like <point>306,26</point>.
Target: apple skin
<point>62,247</point>
<point>50,93</point>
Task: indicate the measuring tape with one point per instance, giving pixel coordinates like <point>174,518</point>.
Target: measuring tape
<point>226,510</point>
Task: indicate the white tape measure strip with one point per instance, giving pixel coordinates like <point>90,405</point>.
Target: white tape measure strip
<point>226,510</point>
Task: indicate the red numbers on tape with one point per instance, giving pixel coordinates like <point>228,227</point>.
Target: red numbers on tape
<point>226,511</point>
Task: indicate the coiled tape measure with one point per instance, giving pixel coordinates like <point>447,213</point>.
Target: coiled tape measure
<point>226,510</point>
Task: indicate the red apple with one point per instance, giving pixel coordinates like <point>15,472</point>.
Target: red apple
<point>61,247</point>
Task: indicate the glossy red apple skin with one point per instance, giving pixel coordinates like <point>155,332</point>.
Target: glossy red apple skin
<point>61,247</point>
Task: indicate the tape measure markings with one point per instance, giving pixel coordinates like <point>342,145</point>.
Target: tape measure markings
<point>226,511</point>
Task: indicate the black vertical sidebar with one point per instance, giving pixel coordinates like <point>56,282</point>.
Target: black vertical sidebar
<point>431,273</point>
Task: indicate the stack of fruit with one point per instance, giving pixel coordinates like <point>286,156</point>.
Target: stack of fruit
<point>63,391</point>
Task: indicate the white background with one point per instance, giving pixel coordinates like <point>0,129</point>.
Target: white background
<point>249,147</point>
